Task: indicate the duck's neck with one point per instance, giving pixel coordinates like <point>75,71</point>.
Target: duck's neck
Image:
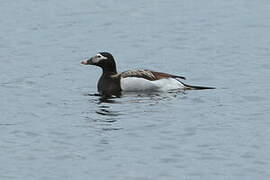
<point>109,70</point>
<point>108,84</point>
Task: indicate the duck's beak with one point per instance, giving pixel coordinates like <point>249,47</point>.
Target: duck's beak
<point>88,62</point>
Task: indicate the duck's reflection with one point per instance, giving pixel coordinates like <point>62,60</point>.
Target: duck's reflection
<point>109,111</point>
<point>156,96</point>
<point>105,111</point>
<point>142,97</point>
<point>104,99</point>
<point>102,116</point>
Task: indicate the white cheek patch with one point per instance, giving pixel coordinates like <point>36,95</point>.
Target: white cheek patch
<point>98,57</point>
<point>95,60</point>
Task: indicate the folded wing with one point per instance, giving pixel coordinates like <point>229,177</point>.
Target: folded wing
<point>148,74</point>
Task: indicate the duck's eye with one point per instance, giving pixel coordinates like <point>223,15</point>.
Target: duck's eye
<point>98,56</point>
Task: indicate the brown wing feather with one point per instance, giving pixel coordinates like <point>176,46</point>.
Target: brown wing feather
<point>148,74</point>
<point>160,75</point>
<point>140,73</point>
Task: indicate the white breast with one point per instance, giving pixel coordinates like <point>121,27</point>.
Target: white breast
<point>141,84</point>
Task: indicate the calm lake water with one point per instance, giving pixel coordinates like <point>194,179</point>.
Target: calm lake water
<point>50,128</point>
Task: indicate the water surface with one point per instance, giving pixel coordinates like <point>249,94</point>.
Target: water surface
<point>51,128</point>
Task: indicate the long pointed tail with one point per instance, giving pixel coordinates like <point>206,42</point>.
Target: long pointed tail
<point>196,87</point>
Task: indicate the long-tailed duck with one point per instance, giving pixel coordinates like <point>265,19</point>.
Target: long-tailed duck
<point>112,83</point>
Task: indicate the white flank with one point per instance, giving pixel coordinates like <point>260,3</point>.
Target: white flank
<point>141,84</point>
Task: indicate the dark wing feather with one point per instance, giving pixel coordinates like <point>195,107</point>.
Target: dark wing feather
<point>140,73</point>
<point>160,75</point>
<point>148,74</point>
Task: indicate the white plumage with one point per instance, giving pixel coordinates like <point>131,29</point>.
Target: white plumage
<point>141,84</point>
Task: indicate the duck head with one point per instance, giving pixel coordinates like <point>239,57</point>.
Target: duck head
<point>102,59</point>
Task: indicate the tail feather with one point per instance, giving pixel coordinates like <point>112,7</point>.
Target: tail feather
<point>176,76</point>
<point>196,87</point>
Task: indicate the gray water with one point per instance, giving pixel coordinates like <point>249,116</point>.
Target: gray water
<point>50,128</point>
